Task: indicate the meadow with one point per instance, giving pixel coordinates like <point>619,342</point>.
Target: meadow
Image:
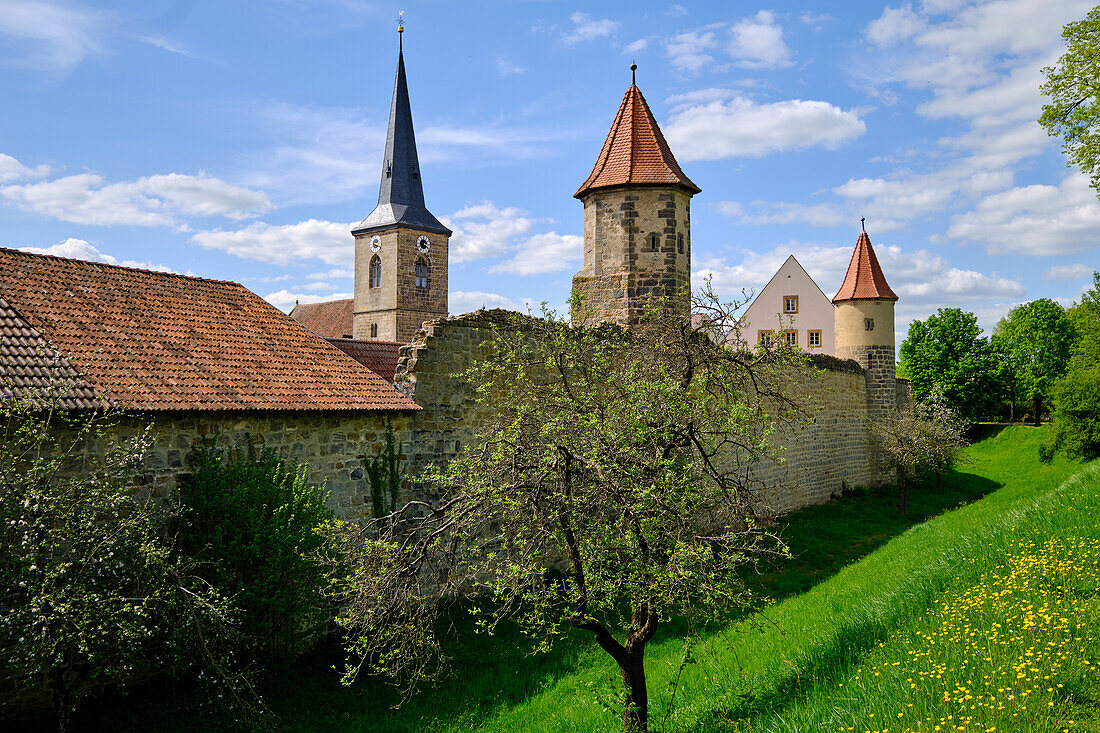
<point>978,610</point>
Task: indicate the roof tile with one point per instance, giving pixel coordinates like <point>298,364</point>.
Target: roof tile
<point>635,151</point>
<point>331,319</point>
<point>157,341</point>
<point>864,279</point>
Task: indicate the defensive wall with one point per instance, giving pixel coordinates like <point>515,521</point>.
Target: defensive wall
<point>821,458</point>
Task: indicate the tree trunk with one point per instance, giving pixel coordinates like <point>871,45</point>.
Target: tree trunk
<point>636,712</point>
<point>1037,403</point>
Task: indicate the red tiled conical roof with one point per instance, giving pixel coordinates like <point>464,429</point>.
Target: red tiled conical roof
<point>864,279</point>
<point>635,151</point>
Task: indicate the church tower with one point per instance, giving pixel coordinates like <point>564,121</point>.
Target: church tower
<point>637,221</point>
<point>864,325</point>
<point>400,248</point>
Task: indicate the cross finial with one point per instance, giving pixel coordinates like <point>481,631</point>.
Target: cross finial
<point>633,77</point>
<point>863,223</point>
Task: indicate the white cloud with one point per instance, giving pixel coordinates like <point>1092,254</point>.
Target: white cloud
<point>688,50</point>
<point>1063,273</point>
<point>338,272</point>
<point>157,200</point>
<point>587,28</point>
<point>164,44</point>
<point>742,127</point>
<point>485,230</point>
<point>507,67</point>
<point>51,36</point>
<point>285,300</point>
<point>757,43</point>
<point>328,241</point>
<point>636,46</point>
<point>894,25</point>
<point>467,301</point>
<point>1034,220</point>
<point>816,20</point>
<point>550,252</point>
<point>80,249</point>
<point>730,208</point>
<point>12,170</point>
<point>784,212</point>
<point>677,10</point>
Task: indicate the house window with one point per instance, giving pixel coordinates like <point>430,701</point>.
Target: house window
<point>813,338</point>
<point>868,324</point>
<point>680,243</point>
<point>765,338</point>
<point>421,272</point>
<point>375,279</point>
<point>792,337</point>
<point>374,330</point>
<point>790,304</point>
<point>653,242</point>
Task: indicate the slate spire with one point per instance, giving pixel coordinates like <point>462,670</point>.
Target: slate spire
<point>401,193</point>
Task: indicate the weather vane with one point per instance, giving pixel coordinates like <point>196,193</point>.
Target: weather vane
<point>401,22</point>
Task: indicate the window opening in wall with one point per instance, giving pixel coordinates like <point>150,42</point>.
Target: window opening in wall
<point>790,304</point>
<point>421,273</point>
<point>653,242</point>
<point>792,338</point>
<point>374,330</point>
<point>375,278</point>
<point>813,338</point>
<point>868,324</point>
<point>870,361</point>
<point>680,243</point>
<point>765,338</point>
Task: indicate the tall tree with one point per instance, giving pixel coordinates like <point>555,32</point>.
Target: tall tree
<point>1073,86</point>
<point>1036,338</point>
<point>1076,408</point>
<point>611,488</point>
<point>948,351</point>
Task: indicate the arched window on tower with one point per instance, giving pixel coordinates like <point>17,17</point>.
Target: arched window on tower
<point>375,278</point>
<point>421,272</point>
<point>653,242</point>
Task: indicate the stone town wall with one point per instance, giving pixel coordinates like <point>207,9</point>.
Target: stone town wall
<point>820,460</point>
<point>331,443</point>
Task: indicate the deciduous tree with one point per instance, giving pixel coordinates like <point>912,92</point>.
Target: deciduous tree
<point>1036,339</point>
<point>1073,85</point>
<point>1076,408</point>
<point>948,351</point>
<point>613,488</point>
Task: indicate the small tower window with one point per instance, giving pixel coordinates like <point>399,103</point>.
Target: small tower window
<point>421,272</point>
<point>680,243</point>
<point>868,324</point>
<point>375,278</point>
<point>374,330</point>
<point>653,242</point>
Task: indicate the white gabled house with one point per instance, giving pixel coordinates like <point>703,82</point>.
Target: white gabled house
<point>791,307</point>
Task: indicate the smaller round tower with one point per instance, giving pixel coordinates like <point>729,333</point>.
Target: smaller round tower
<point>864,326</point>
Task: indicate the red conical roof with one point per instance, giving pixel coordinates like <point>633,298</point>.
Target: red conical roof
<point>635,151</point>
<point>864,279</point>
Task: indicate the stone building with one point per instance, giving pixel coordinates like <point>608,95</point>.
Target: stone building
<point>637,221</point>
<point>791,308</point>
<point>203,362</point>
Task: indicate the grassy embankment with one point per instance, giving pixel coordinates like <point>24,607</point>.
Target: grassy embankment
<point>973,614</point>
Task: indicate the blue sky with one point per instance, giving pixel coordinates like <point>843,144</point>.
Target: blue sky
<point>240,140</point>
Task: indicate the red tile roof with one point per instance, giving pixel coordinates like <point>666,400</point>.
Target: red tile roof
<point>31,367</point>
<point>332,319</point>
<point>156,341</point>
<point>864,279</point>
<point>378,356</point>
<point>635,151</point>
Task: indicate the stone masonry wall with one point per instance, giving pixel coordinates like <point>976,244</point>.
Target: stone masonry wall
<point>821,459</point>
<point>397,306</point>
<point>331,443</point>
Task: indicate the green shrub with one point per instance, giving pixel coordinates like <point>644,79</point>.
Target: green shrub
<point>384,474</point>
<point>264,537</point>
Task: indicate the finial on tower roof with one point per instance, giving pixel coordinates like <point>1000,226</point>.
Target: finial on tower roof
<point>633,78</point>
<point>863,223</point>
<point>400,29</point>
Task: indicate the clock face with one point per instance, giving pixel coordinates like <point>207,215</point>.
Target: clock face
<point>423,244</point>
<point>375,243</point>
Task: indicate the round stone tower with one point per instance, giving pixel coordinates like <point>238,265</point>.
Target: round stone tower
<point>864,326</point>
<point>637,222</point>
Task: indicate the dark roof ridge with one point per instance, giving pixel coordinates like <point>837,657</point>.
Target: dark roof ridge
<point>120,267</point>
